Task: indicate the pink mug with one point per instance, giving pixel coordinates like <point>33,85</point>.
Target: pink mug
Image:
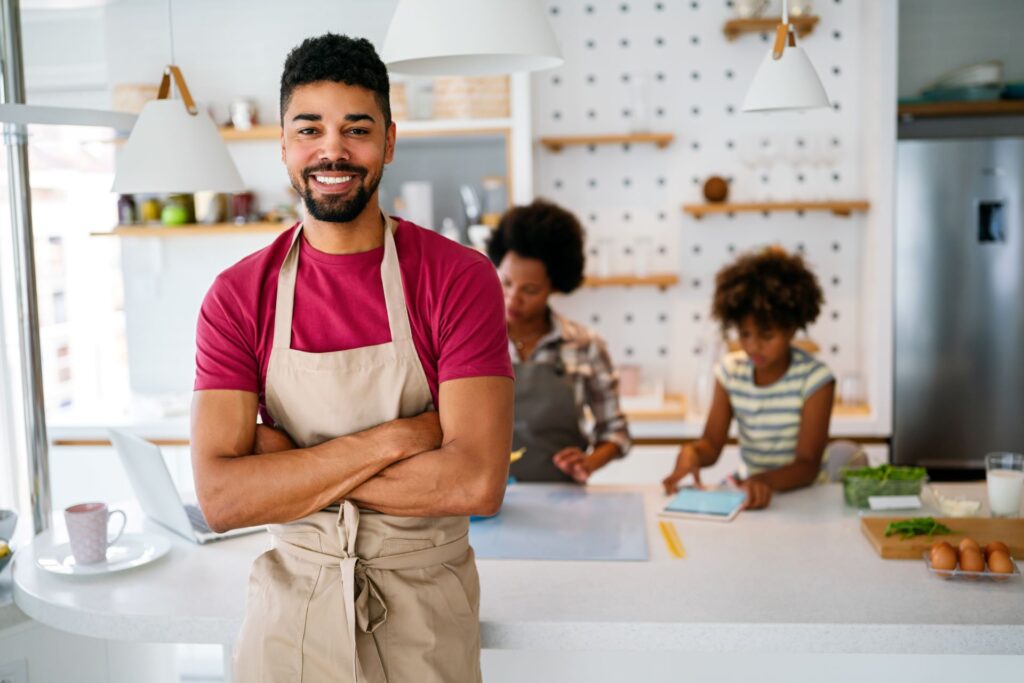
<point>87,530</point>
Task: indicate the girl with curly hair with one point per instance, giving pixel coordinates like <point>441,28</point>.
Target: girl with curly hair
<point>780,395</point>
<point>561,367</point>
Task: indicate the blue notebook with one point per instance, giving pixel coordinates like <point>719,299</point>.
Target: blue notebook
<point>721,504</point>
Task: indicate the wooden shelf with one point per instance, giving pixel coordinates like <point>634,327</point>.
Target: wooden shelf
<point>661,281</point>
<point>434,128</point>
<point>846,410</point>
<point>930,110</point>
<point>674,408</point>
<point>192,229</point>
<point>556,144</point>
<point>734,28</point>
<point>265,132</point>
<point>844,208</point>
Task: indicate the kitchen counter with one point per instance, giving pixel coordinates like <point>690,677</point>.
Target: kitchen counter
<point>798,577</point>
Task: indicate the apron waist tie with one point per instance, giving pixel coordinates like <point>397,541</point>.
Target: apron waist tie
<point>359,587</point>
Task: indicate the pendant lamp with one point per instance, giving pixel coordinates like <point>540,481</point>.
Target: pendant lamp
<point>786,79</point>
<point>469,38</point>
<point>175,148</point>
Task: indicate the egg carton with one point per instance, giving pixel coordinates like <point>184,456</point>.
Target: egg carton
<point>961,575</point>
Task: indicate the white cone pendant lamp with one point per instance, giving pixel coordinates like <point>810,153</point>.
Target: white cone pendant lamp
<point>175,148</point>
<point>786,79</point>
<point>469,38</point>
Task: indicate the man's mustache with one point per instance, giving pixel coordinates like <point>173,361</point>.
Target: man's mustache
<point>336,167</point>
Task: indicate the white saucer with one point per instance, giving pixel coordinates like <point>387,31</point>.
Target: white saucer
<point>131,550</point>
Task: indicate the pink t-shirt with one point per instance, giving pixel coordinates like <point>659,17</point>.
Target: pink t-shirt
<point>454,299</point>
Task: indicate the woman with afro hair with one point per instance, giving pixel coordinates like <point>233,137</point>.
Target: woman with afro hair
<point>560,366</point>
<point>780,396</point>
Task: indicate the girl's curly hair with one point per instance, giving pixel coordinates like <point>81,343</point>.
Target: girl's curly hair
<point>772,285</point>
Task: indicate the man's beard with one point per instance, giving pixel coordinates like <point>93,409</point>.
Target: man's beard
<point>332,208</point>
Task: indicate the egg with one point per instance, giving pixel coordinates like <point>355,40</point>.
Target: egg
<point>999,562</point>
<point>969,543</point>
<point>995,545</point>
<point>971,560</point>
<point>943,557</point>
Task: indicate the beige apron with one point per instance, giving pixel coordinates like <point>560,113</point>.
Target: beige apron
<point>356,595</point>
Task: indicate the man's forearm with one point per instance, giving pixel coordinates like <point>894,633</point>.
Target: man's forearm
<point>248,490</point>
<point>435,484</point>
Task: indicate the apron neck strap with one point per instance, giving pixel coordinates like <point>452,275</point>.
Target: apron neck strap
<point>391,279</point>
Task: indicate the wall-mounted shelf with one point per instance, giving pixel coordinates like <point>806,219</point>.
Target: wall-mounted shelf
<point>661,281</point>
<point>848,410</point>
<point>673,408</point>
<point>406,129</point>
<point>734,28</point>
<point>192,229</point>
<point>556,144</point>
<point>932,110</point>
<point>844,208</point>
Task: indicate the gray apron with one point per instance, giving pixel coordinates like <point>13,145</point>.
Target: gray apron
<point>547,420</point>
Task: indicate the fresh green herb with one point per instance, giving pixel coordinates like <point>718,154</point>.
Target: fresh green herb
<point>918,526</point>
<point>886,472</point>
<point>885,480</point>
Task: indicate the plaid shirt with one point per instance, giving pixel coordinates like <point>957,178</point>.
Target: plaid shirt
<point>585,358</point>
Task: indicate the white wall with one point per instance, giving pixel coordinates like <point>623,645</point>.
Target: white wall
<point>937,36</point>
<point>671,62</point>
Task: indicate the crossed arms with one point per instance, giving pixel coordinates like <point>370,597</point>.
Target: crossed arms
<point>452,462</point>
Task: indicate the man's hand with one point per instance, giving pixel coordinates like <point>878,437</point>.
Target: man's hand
<point>573,462</point>
<point>418,434</point>
<point>270,440</point>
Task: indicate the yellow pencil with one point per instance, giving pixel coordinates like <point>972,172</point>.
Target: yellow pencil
<point>671,536</point>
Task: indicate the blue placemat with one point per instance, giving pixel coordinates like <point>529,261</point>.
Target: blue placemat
<point>563,522</point>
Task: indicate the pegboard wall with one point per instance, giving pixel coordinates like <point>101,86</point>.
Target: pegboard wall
<point>642,65</point>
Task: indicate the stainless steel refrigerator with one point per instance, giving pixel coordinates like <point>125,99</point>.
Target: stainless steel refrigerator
<point>959,355</point>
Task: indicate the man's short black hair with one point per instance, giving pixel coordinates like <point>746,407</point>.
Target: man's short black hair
<point>341,59</point>
<point>546,232</point>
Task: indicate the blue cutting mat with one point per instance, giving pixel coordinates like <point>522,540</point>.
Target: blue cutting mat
<point>563,522</point>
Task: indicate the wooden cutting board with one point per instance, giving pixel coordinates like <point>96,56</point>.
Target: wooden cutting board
<point>982,530</point>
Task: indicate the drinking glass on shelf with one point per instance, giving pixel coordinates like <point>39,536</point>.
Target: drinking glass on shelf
<point>767,154</point>
<point>643,248</point>
<point>603,257</point>
<point>1004,476</point>
<point>750,157</point>
<point>794,155</point>
<point>851,390</point>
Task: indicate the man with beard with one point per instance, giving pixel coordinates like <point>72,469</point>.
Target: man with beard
<point>344,335</point>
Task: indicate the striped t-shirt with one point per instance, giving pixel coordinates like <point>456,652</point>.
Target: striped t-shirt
<point>768,417</point>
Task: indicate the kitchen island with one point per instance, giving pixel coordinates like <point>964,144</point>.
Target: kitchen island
<point>797,581</point>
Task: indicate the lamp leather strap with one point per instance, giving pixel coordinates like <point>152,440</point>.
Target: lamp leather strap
<point>781,31</point>
<point>179,80</point>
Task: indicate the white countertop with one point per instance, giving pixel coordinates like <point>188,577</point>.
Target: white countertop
<point>798,577</point>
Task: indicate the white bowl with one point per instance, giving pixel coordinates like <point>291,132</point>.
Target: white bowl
<point>986,73</point>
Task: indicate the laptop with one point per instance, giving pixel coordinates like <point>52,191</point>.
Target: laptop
<point>158,495</point>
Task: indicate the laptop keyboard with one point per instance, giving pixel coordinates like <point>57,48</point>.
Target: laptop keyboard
<point>195,516</point>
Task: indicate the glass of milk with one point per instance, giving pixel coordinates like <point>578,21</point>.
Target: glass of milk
<point>1004,473</point>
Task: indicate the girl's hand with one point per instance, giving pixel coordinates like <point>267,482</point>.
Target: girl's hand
<point>573,462</point>
<point>759,494</point>
<point>688,462</point>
